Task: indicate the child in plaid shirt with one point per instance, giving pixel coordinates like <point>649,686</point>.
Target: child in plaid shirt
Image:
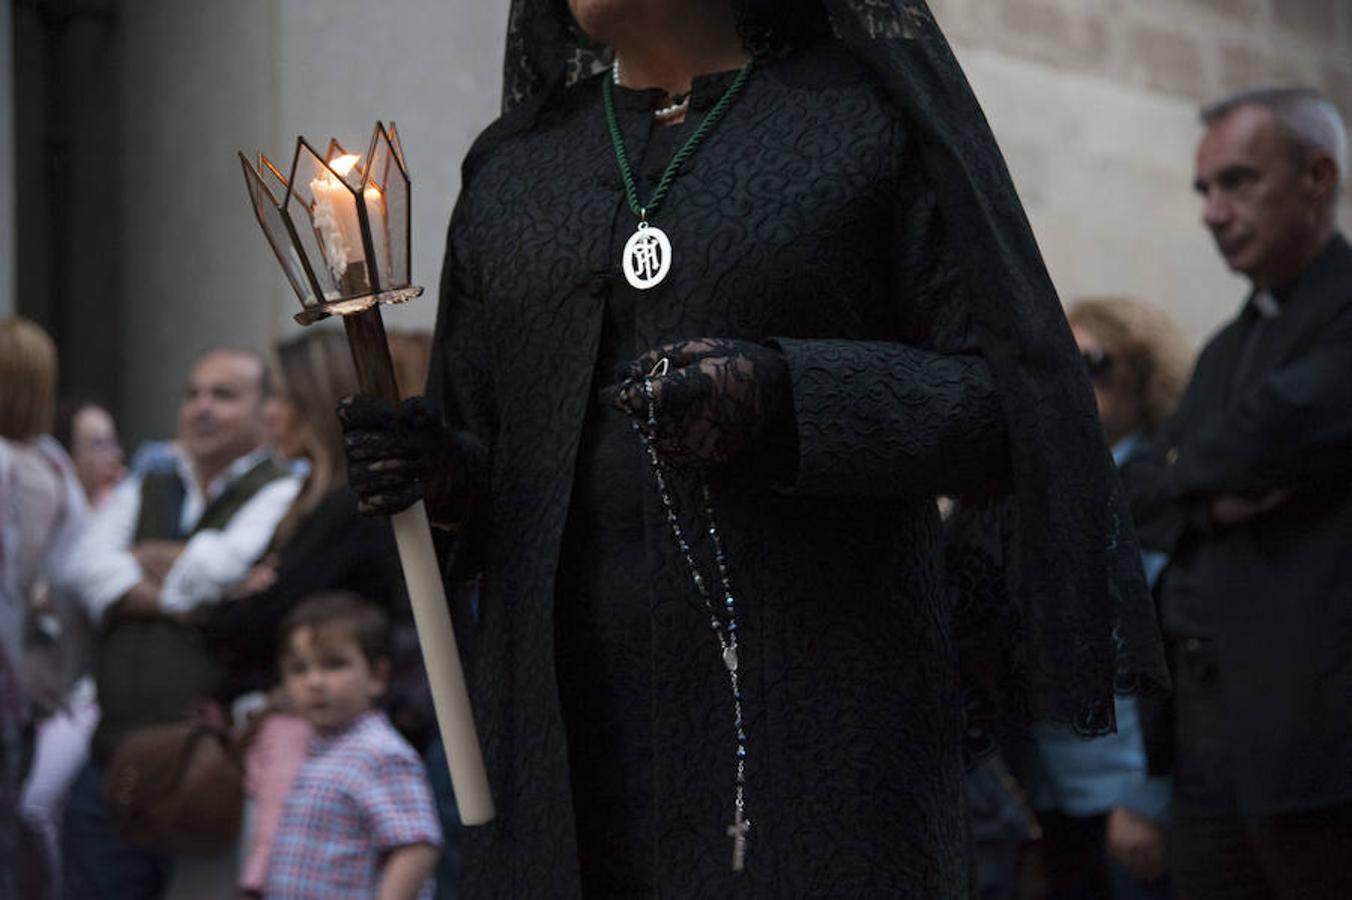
<point>359,820</point>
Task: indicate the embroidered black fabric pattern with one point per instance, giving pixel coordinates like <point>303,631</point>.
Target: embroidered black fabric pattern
<point>1088,624</point>
<point>818,221</point>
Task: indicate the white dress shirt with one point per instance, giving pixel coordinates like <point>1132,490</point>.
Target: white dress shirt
<point>213,560</point>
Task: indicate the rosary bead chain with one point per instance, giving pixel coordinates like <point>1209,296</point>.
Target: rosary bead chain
<point>724,629</point>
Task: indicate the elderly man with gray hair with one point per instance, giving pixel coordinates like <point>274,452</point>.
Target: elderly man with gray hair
<point>1253,501</point>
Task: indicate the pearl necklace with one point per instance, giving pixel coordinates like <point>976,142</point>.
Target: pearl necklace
<point>681,102</point>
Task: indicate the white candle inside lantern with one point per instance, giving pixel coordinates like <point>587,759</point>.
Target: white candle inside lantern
<point>335,216</point>
<point>375,212</point>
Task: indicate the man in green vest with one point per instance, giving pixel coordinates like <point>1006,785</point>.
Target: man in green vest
<point>164,544</point>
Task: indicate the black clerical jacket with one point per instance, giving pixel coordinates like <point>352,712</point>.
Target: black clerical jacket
<point>1270,409</point>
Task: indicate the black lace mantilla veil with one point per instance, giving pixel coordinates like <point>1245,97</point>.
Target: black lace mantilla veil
<point>1052,615</point>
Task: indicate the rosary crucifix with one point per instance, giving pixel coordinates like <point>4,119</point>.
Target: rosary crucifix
<point>737,831</point>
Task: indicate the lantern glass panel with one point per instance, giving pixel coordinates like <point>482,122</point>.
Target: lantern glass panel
<point>273,179</point>
<point>386,199</point>
<point>402,224</point>
<point>393,135</point>
<point>276,228</point>
<point>322,199</point>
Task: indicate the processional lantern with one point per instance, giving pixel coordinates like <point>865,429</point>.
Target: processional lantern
<point>340,228</point>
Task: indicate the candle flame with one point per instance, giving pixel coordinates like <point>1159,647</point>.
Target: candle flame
<point>343,164</point>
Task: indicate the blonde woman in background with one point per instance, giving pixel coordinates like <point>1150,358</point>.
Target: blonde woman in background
<point>42,511</point>
<point>60,657</point>
<point>1139,362</point>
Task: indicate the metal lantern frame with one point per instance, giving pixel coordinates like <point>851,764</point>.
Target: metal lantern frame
<point>305,231</point>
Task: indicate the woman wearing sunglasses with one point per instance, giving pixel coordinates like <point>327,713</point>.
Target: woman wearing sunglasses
<point>1102,819</point>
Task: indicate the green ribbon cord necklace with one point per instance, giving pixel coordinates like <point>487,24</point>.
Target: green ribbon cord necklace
<point>647,253</point>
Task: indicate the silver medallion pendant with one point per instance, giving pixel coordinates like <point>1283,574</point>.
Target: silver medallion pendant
<point>647,257</point>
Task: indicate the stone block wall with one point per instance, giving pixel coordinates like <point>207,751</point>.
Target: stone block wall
<point>1094,103</point>
<point>1095,106</point>
<point>1193,48</point>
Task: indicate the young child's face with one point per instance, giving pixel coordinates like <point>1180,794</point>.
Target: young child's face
<point>328,679</point>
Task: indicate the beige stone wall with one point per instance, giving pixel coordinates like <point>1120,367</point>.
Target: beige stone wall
<point>1094,103</point>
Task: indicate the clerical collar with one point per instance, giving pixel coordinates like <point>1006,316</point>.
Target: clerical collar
<point>1268,302</point>
<point>1265,304</point>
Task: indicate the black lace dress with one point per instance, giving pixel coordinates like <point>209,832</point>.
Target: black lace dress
<point>804,221</point>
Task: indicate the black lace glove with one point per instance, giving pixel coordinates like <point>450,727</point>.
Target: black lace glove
<point>719,400</point>
<point>391,454</point>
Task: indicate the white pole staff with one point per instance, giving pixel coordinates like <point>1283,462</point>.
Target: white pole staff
<point>427,594</point>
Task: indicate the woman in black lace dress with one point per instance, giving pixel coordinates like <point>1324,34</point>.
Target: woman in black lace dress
<point>844,316</point>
